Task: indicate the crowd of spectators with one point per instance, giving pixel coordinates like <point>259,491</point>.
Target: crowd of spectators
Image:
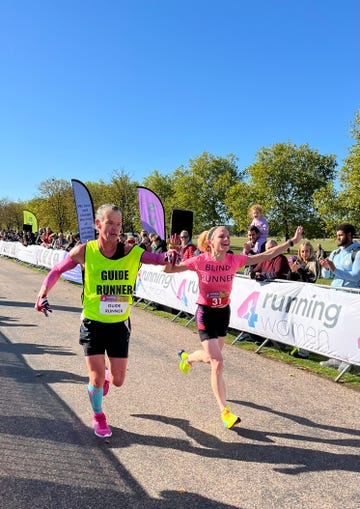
<point>149,241</point>
<point>11,235</point>
<point>45,237</point>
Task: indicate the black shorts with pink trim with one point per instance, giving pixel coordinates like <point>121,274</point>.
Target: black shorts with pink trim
<point>212,322</point>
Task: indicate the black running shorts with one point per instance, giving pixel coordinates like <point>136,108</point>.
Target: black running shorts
<point>112,338</point>
<point>212,322</point>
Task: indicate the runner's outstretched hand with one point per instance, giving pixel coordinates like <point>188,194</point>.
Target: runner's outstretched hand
<point>42,305</point>
<point>172,257</point>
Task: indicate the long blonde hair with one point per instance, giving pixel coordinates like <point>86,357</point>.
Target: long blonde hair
<point>203,242</point>
<point>307,244</point>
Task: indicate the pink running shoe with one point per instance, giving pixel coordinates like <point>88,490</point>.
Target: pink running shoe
<point>106,385</point>
<point>101,429</point>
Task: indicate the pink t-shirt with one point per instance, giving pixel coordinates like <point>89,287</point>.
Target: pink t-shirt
<point>215,277</point>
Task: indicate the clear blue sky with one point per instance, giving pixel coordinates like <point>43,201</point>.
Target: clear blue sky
<point>88,87</point>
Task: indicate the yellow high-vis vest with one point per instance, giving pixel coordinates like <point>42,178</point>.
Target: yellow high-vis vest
<point>109,284</point>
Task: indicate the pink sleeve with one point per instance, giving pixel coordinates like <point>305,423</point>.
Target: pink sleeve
<point>63,266</point>
<point>153,258</point>
<point>191,263</point>
<point>241,260</point>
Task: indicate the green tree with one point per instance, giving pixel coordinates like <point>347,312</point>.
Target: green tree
<point>98,192</point>
<point>11,214</point>
<point>342,204</point>
<point>350,176</point>
<point>57,204</point>
<point>238,201</point>
<point>283,179</point>
<point>202,187</point>
<point>122,192</point>
<point>329,207</point>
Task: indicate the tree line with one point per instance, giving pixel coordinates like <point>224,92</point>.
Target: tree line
<point>294,185</point>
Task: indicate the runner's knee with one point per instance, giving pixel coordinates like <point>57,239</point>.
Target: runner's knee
<point>217,364</point>
<point>118,379</point>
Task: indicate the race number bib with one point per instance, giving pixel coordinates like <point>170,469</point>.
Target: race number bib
<point>113,305</point>
<point>217,299</point>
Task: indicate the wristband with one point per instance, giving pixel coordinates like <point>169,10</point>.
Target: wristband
<point>290,243</point>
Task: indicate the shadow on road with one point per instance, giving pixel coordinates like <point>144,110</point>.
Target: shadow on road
<point>50,459</point>
<point>302,459</point>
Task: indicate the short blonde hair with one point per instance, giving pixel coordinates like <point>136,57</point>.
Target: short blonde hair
<point>256,206</point>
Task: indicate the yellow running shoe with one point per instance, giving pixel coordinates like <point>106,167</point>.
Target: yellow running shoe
<point>229,420</point>
<point>184,366</point>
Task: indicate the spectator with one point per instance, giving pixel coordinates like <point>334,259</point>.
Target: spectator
<point>59,241</point>
<point>276,268</point>
<point>268,270</point>
<point>305,266</point>
<point>122,238</point>
<point>145,243</point>
<point>47,238</point>
<point>344,265</point>
<point>28,238</point>
<point>158,244</point>
<point>152,236</point>
<point>144,236</point>
<point>260,222</point>
<point>38,239</point>
<point>320,252</point>
<point>187,248</point>
<point>72,241</point>
<point>130,241</point>
<point>252,247</point>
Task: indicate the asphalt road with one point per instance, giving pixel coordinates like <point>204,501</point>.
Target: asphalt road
<point>297,444</point>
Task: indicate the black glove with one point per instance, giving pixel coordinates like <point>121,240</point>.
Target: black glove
<point>42,305</point>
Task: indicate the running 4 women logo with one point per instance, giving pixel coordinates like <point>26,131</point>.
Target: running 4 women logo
<point>138,282</point>
<point>181,293</point>
<point>247,310</point>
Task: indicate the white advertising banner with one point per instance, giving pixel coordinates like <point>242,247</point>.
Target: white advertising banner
<point>178,291</point>
<point>318,319</point>
<point>27,254</point>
